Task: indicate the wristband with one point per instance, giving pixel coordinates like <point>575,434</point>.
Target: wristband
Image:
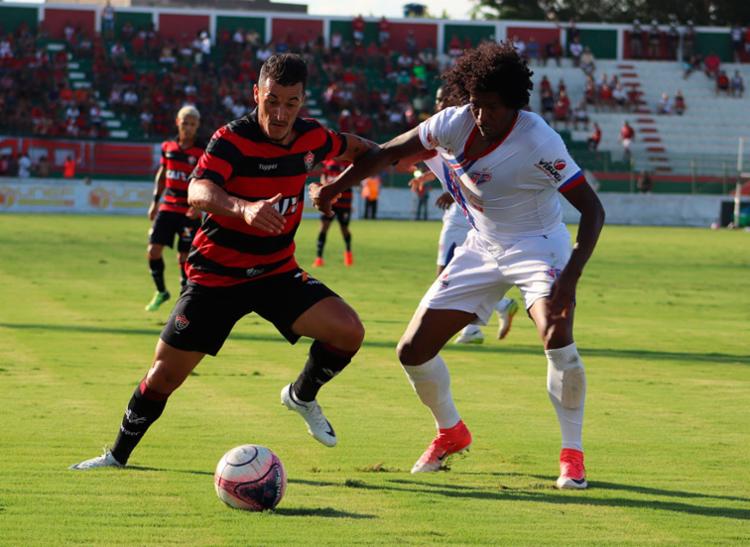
<point>157,197</point>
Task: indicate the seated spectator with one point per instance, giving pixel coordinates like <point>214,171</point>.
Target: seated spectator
<point>711,65</point>
<point>595,137</point>
<point>589,91</point>
<point>679,103</point>
<point>722,83</point>
<point>605,96</point>
<point>553,50</point>
<point>627,136</point>
<point>620,97</point>
<point>548,106</point>
<point>692,64</point>
<point>587,62</point>
<point>580,115</point>
<point>737,84</point>
<point>562,109</point>
<point>664,106</point>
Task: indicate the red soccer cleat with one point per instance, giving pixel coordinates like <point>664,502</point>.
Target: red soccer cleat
<point>448,442</point>
<point>318,262</point>
<point>348,258</point>
<point>572,471</point>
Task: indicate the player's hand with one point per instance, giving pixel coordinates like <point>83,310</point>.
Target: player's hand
<point>152,210</point>
<point>263,215</point>
<point>444,200</point>
<point>322,198</point>
<point>193,213</point>
<point>562,299</point>
<point>416,185</point>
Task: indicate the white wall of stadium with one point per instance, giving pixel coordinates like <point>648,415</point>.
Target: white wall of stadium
<point>117,198</point>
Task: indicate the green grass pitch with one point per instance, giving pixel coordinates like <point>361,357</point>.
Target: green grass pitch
<point>663,326</point>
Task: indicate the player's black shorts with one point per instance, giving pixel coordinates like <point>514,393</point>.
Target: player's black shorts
<point>342,215</point>
<point>204,316</point>
<point>167,224</point>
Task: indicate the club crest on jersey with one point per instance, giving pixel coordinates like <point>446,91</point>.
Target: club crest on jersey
<point>431,140</point>
<point>551,168</point>
<point>480,178</point>
<point>192,160</point>
<point>309,161</point>
<point>181,322</point>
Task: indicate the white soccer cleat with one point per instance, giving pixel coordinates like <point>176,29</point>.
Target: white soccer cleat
<point>105,460</point>
<point>505,319</point>
<point>468,336</point>
<point>317,424</point>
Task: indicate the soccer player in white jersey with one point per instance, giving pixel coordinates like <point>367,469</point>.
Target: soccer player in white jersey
<point>455,229</point>
<point>510,167</point>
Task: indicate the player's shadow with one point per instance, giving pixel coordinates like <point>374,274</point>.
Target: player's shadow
<point>506,349</point>
<point>326,512</point>
<point>587,498</point>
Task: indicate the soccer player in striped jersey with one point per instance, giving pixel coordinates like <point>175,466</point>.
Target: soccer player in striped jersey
<point>169,210</point>
<point>250,182</point>
<point>342,211</point>
<point>509,170</point>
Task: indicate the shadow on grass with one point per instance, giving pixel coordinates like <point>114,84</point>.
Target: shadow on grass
<point>506,349</point>
<point>327,512</point>
<point>587,498</point>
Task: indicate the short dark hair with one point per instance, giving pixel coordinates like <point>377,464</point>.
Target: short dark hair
<point>285,69</point>
<point>491,66</point>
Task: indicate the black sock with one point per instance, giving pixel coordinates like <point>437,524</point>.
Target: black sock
<point>323,363</point>
<point>321,243</point>
<point>144,408</point>
<point>348,241</point>
<point>157,272</point>
<point>183,274</point>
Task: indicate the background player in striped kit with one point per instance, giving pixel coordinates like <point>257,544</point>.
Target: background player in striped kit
<point>251,183</point>
<point>172,215</point>
<point>453,234</point>
<point>342,212</point>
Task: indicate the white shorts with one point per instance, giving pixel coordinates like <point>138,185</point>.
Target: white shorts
<point>475,280</point>
<point>452,236</point>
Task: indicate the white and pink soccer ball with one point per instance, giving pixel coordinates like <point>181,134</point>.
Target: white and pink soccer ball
<point>250,477</point>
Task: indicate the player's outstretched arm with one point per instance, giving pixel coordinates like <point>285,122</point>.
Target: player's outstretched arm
<point>585,200</point>
<point>367,160</point>
<point>207,196</point>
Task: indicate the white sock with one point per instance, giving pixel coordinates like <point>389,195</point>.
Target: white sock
<point>432,383</point>
<point>503,304</point>
<point>566,386</point>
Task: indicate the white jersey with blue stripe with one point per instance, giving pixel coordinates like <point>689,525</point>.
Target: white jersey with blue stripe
<point>510,190</point>
<point>453,215</point>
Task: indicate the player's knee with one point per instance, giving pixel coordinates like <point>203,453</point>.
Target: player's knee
<point>566,377</point>
<point>350,333</point>
<point>409,354</point>
<point>153,253</point>
<point>163,378</point>
<point>557,334</point>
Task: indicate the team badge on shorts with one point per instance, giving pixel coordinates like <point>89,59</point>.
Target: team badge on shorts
<point>554,273</point>
<point>181,322</point>
<point>309,161</point>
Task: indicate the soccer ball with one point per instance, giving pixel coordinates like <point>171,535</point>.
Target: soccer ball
<point>250,477</point>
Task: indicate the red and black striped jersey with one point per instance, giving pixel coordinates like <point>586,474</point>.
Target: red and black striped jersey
<point>178,163</point>
<point>241,159</point>
<point>332,169</point>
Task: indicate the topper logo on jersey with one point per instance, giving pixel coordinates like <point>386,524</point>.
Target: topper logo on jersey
<point>309,161</point>
<point>481,178</point>
<point>176,175</point>
<point>287,206</point>
<point>551,168</point>
<point>267,166</point>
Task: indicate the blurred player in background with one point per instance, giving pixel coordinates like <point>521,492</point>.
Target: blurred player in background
<point>509,167</point>
<point>172,215</point>
<point>453,234</point>
<point>342,212</point>
<point>251,183</point>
